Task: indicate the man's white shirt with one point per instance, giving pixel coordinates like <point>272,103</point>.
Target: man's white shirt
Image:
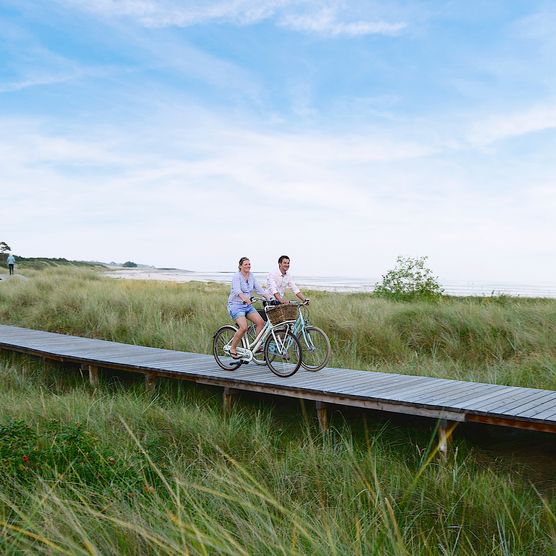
<point>278,282</point>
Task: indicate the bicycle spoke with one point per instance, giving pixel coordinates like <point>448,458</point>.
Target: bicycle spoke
<point>283,353</point>
<point>316,348</point>
<point>220,348</point>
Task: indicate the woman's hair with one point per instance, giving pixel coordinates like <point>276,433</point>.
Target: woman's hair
<point>242,260</point>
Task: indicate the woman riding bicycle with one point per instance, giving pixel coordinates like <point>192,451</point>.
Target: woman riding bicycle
<point>239,303</point>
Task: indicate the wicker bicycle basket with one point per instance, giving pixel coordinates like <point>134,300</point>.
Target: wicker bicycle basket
<point>281,313</point>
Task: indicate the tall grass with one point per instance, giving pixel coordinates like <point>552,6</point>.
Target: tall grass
<point>496,340</point>
<point>114,471</point>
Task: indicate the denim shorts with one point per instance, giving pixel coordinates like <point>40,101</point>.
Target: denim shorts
<point>236,312</point>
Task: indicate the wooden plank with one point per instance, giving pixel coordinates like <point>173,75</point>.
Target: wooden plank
<point>551,416</point>
<point>425,389</point>
<point>347,381</point>
<point>532,412</point>
<point>446,393</point>
<point>502,396</point>
<point>146,359</point>
<point>391,391</point>
<point>100,354</point>
<point>201,367</point>
<point>447,385</point>
<point>546,414</point>
<point>191,366</point>
<point>320,383</point>
<point>394,381</point>
<point>512,403</point>
<point>531,405</point>
<point>350,389</point>
<point>467,400</point>
<point>449,397</point>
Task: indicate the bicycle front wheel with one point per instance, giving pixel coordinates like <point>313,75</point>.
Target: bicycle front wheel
<point>282,352</point>
<point>316,348</point>
<point>223,339</point>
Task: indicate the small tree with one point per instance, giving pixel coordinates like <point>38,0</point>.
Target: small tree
<point>4,247</point>
<point>130,264</point>
<point>410,279</point>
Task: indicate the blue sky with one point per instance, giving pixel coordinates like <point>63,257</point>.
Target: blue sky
<point>344,133</point>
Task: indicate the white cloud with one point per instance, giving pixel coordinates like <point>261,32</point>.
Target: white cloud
<point>215,191</point>
<point>311,16</point>
<point>37,80</point>
<point>162,13</point>
<point>513,124</point>
<point>326,22</point>
<point>539,26</point>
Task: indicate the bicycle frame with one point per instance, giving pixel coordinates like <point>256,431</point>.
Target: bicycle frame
<point>247,349</point>
<point>299,326</point>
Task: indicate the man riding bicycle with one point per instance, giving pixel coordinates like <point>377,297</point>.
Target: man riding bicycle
<point>280,280</point>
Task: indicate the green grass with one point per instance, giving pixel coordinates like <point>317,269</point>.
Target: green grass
<point>115,471</point>
<point>42,263</point>
<point>496,340</point>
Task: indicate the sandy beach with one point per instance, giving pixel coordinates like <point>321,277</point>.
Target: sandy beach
<point>337,283</point>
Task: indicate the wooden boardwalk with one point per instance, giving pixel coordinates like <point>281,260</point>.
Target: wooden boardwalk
<point>447,400</point>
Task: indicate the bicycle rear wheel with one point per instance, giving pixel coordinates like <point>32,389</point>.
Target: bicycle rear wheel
<point>221,340</point>
<point>316,348</point>
<point>283,353</point>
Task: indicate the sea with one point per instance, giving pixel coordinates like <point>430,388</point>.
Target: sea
<point>341,283</point>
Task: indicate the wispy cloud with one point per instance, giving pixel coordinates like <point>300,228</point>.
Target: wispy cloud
<point>26,62</point>
<point>379,193</point>
<point>499,127</point>
<point>40,79</point>
<point>329,18</point>
<point>538,26</point>
<point>162,13</point>
<point>326,22</point>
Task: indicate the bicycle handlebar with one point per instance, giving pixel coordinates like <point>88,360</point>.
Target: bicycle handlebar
<point>253,299</point>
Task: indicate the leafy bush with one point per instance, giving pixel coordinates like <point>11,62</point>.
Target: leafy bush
<point>63,450</point>
<point>410,279</point>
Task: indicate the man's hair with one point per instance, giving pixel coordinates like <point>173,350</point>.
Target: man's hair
<point>282,258</point>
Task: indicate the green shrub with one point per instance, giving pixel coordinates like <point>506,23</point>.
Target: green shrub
<point>65,450</point>
<point>410,279</point>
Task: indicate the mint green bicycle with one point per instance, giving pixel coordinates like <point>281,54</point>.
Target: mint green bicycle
<point>314,341</point>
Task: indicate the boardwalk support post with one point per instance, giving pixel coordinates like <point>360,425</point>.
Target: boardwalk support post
<point>228,400</point>
<point>93,376</point>
<point>445,429</point>
<point>150,381</point>
<point>322,415</point>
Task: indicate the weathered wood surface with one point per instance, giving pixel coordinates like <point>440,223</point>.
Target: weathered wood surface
<point>445,399</point>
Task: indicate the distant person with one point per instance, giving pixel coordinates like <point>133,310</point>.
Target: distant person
<point>11,263</point>
<point>239,303</point>
<point>280,280</point>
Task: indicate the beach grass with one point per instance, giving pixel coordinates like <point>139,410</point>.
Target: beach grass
<point>118,471</point>
<point>499,340</point>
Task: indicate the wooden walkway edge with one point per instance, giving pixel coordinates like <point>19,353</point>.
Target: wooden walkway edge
<point>443,399</point>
